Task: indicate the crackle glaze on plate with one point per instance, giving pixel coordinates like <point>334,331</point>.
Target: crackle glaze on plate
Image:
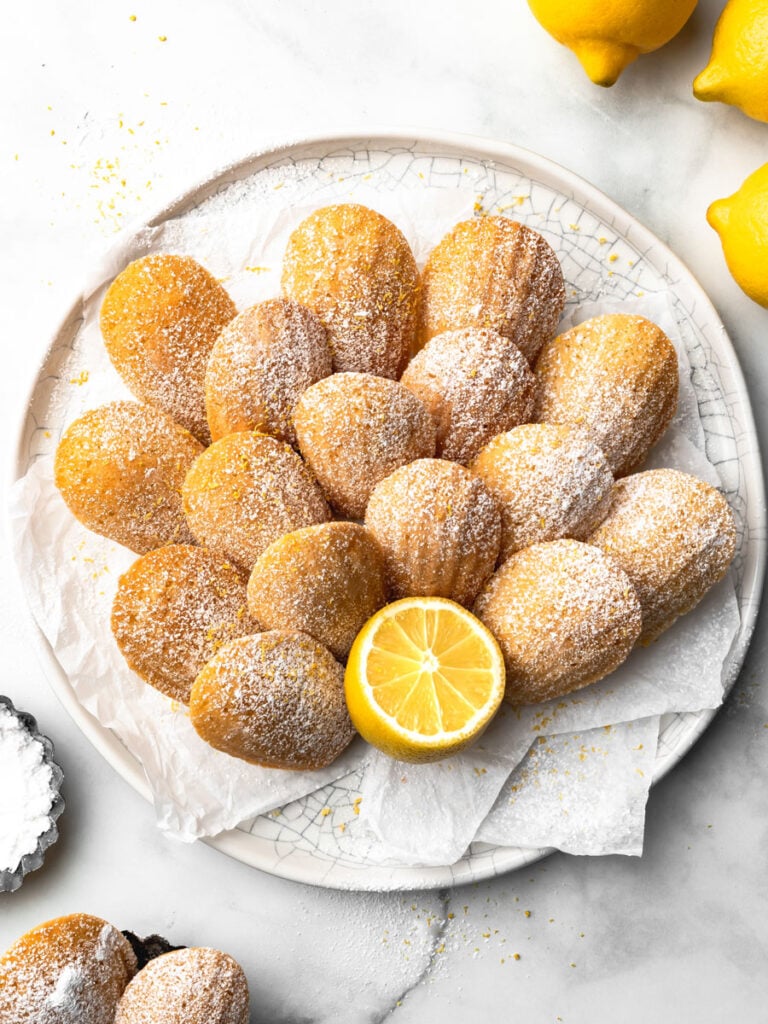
<point>584,227</point>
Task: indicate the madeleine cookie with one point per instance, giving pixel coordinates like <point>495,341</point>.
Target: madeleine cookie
<point>172,611</point>
<point>324,580</point>
<point>120,469</point>
<point>247,490</point>
<point>564,615</point>
<point>260,364</point>
<point>353,267</point>
<point>439,529</point>
<point>476,384</point>
<point>354,429</point>
<point>616,378</point>
<point>72,970</point>
<point>160,319</point>
<point>187,986</point>
<point>674,536</point>
<point>550,482</point>
<point>275,699</point>
<point>493,272</point>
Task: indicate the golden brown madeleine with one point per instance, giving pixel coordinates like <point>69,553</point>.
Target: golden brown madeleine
<point>564,615</point>
<point>354,268</point>
<point>550,482</point>
<point>172,611</point>
<point>615,377</point>
<point>495,273</point>
<point>120,469</point>
<point>476,384</point>
<point>247,490</point>
<point>187,986</point>
<point>260,364</point>
<point>324,580</point>
<point>674,536</point>
<point>72,970</point>
<point>354,429</point>
<point>274,699</point>
<point>439,529</point>
<point>160,319</point>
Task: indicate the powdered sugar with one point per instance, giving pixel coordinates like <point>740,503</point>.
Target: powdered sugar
<point>160,319</point>
<point>120,468</point>
<point>354,429</point>
<point>476,383</point>
<point>262,362</point>
<point>245,491</point>
<point>564,616</point>
<point>173,609</point>
<point>71,970</point>
<point>496,273</point>
<point>354,268</point>
<point>439,529</point>
<point>187,986</point>
<point>673,535</point>
<point>26,793</point>
<point>274,699</point>
<point>550,481</point>
<point>324,580</point>
<point>615,377</point>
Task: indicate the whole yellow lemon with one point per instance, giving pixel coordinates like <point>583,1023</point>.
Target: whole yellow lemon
<point>737,72</point>
<point>607,35</point>
<point>741,220</point>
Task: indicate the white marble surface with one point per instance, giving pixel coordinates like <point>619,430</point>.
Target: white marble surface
<point>103,121</point>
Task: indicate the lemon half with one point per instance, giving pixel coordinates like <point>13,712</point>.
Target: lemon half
<point>424,678</point>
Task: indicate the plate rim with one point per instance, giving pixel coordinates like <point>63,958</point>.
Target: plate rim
<point>234,842</point>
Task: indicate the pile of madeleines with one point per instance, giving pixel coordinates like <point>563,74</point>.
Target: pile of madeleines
<point>80,969</point>
<point>373,434</point>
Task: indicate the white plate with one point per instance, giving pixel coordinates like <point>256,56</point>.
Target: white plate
<point>583,226</point>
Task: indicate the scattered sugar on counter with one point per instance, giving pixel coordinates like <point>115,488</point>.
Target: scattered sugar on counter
<point>26,793</point>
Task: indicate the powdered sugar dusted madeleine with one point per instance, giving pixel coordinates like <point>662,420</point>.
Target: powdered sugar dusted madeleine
<point>674,536</point>
<point>564,615</point>
<point>187,986</point>
<point>496,273</point>
<point>72,970</point>
<point>260,364</point>
<point>275,699</point>
<point>160,319</point>
<point>245,491</point>
<point>550,481</point>
<point>476,384</point>
<point>616,378</point>
<point>439,529</point>
<point>120,469</point>
<point>354,429</point>
<point>354,268</point>
<point>173,609</point>
<point>324,580</point>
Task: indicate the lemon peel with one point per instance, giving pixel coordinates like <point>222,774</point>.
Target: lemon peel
<point>741,221</point>
<point>608,37</point>
<point>737,72</point>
